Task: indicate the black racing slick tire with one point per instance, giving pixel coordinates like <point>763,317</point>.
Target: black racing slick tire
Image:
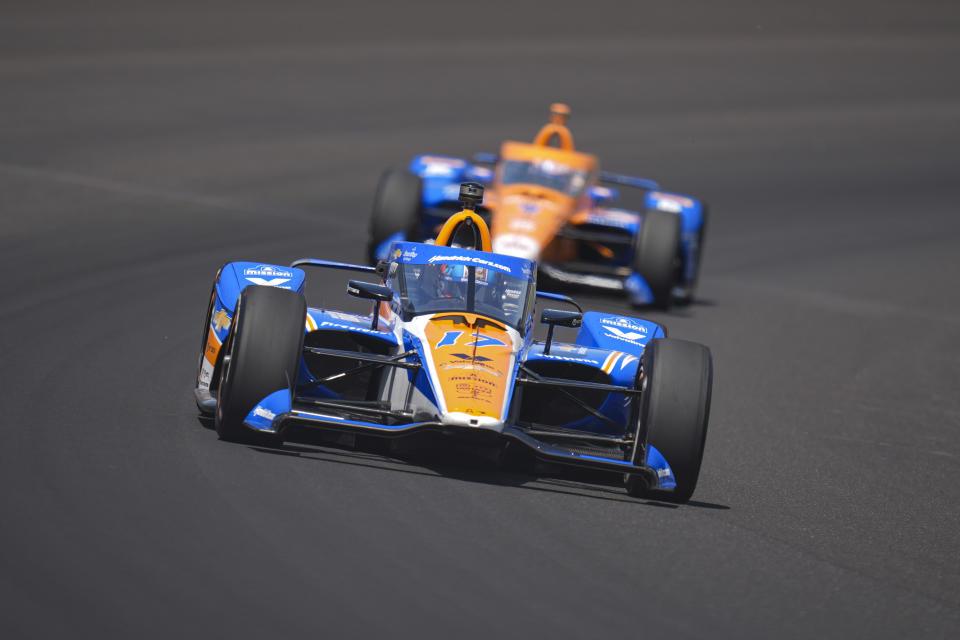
<point>263,353</point>
<point>396,207</point>
<point>691,286</point>
<point>675,409</point>
<point>655,253</point>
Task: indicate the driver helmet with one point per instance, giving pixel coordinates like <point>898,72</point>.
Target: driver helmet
<point>454,280</point>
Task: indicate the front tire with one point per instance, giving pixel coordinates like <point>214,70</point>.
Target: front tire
<point>675,410</point>
<point>655,250</point>
<point>263,353</point>
<point>396,207</point>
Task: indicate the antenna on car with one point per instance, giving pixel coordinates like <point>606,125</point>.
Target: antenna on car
<point>556,128</point>
<point>471,194</point>
<point>559,113</point>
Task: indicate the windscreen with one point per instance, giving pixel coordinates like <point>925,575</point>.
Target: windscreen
<point>545,173</point>
<point>438,287</point>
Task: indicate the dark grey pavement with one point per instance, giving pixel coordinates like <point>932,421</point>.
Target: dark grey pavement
<point>144,144</point>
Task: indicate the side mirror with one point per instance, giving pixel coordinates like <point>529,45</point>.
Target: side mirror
<point>369,291</point>
<point>555,317</point>
<point>485,157</point>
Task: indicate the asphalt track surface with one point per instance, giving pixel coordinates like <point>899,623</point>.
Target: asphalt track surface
<point>142,146</point>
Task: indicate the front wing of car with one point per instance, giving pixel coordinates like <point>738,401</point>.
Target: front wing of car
<point>657,471</point>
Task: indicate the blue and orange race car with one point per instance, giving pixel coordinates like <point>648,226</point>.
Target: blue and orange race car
<point>449,348</point>
<point>548,202</point>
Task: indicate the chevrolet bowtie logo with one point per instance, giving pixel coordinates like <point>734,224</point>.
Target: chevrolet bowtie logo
<point>221,320</point>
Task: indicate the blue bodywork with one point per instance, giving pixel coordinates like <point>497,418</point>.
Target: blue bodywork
<point>234,277</point>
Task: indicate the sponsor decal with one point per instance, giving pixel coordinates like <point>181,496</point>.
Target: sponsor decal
<point>523,224</point>
<point>569,359</point>
<point>221,320</point>
<point>268,270</point>
<point>481,174</point>
<point>437,170</point>
<point>272,282</point>
<point>210,351</point>
<point>467,356</point>
<point>443,161</point>
<point>337,325</point>
<point>469,361</point>
<point>629,336</point>
<point>260,412</point>
<point>569,348</point>
<point>465,389</point>
<point>625,323</point>
<point>669,202</point>
<point>619,215</point>
<point>472,386</point>
<point>471,364</point>
<point>472,381</point>
<point>663,473</point>
<point>410,254</point>
<point>599,192</point>
<point>347,317</point>
<point>471,260</point>
<point>485,341</point>
<point>618,218</point>
<point>450,339</point>
<point>515,244</point>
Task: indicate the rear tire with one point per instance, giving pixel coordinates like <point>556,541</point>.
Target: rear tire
<point>655,253</point>
<point>396,207</point>
<point>263,353</point>
<point>701,238</point>
<point>675,410</point>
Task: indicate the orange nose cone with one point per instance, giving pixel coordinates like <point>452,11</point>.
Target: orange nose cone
<point>472,358</point>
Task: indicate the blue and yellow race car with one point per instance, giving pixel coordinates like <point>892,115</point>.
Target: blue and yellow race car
<point>549,202</point>
<point>448,347</point>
